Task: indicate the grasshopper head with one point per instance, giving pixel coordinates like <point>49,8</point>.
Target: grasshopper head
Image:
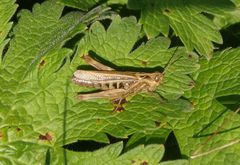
<point>157,77</point>
<point>155,80</point>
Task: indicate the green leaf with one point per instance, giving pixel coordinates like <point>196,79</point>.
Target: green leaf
<point>157,135</point>
<point>110,2</point>
<point>208,134</point>
<point>39,110</point>
<point>99,117</point>
<point>22,153</point>
<point>176,75</point>
<point>25,153</point>
<point>33,39</point>
<point>7,9</point>
<point>136,4</point>
<point>177,64</point>
<point>175,162</point>
<point>194,29</point>
<point>110,46</point>
<point>117,41</point>
<point>154,22</point>
<point>40,116</point>
<point>80,4</point>
<point>106,155</point>
<point>34,80</point>
<point>228,18</point>
<point>150,154</point>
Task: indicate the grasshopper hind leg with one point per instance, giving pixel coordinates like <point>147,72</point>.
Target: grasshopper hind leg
<point>115,95</point>
<point>108,94</point>
<point>88,59</point>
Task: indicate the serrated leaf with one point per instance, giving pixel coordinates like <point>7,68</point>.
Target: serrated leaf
<point>154,22</point>
<point>150,154</point>
<point>136,4</point>
<point>49,65</point>
<point>157,135</point>
<point>176,75</point>
<point>191,32</point>
<point>110,2</point>
<point>106,155</point>
<point>213,7</point>
<point>22,153</point>
<point>33,39</point>
<point>175,162</point>
<point>213,129</point>
<point>39,112</point>
<point>80,4</point>
<point>177,64</point>
<point>194,29</point>
<point>40,96</point>
<point>117,41</point>
<point>40,109</point>
<point>99,117</point>
<point>227,18</point>
<point>151,54</point>
<point>7,10</point>
<point>34,80</point>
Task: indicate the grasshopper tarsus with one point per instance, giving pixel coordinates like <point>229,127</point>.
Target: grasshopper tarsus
<point>119,101</point>
<point>118,109</point>
<point>118,104</point>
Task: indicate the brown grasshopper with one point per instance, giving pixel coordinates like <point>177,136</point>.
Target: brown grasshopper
<point>115,85</point>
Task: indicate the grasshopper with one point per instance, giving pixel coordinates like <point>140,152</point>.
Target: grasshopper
<point>115,85</point>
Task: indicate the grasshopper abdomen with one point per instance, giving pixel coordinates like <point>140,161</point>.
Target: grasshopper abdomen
<point>103,80</point>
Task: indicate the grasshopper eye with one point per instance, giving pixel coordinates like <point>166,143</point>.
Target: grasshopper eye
<point>157,78</point>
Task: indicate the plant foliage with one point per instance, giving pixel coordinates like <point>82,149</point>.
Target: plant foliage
<point>42,122</point>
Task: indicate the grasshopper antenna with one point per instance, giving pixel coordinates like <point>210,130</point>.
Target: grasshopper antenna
<point>170,60</point>
<point>156,94</point>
